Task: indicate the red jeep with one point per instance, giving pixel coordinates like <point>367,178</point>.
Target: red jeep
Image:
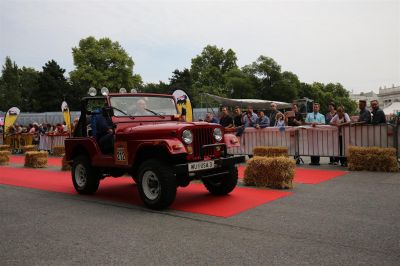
<point>158,150</point>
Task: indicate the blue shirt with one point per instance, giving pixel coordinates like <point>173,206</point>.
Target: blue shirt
<point>315,118</point>
<point>263,121</point>
<point>250,121</point>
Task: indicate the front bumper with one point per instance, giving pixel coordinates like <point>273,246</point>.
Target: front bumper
<point>221,166</point>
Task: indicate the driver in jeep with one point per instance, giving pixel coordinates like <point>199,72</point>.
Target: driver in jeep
<point>104,132</point>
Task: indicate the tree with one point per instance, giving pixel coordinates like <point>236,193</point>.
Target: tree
<point>208,69</point>
<point>156,88</point>
<point>10,89</point>
<point>103,63</point>
<point>181,80</point>
<point>29,82</point>
<point>240,84</point>
<point>53,88</point>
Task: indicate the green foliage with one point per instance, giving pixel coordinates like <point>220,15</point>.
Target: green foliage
<point>53,88</point>
<point>103,63</point>
<point>10,89</point>
<point>208,70</point>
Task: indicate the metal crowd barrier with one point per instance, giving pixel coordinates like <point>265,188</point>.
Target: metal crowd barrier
<point>17,141</point>
<point>323,141</point>
<point>47,142</point>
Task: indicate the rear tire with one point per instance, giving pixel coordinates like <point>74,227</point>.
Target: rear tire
<point>157,184</point>
<point>222,185</point>
<point>86,179</point>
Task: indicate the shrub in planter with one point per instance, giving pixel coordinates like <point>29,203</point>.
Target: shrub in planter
<point>58,150</point>
<point>372,159</point>
<point>27,148</point>
<point>65,166</point>
<point>272,172</point>
<point>4,157</point>
<point>270,151</point>
<point>36,159</point>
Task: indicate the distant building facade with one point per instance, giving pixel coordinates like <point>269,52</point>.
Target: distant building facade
<point>386,96</point>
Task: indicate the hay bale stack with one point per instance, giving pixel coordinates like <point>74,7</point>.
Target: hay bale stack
<point>270,151</point>
<point>58,150</point>
<point>28,148</point>
<point>5,148</point>
<point>65,165</point>
<point>4,157</point>
<point>372,159</point>
<point>36,159</point>
<point>272,172</point>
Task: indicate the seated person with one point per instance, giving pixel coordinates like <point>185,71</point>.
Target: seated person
<point>262,120</point>
<point>141,108</point>
<point>104,132</point>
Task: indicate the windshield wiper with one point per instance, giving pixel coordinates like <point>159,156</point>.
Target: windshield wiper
<point>155,113</point>
<point>123,112</point>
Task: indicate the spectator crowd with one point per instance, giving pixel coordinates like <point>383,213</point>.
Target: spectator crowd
<point>239,120</point>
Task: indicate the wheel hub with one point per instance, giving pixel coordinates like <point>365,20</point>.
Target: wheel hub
<point>80,175</point>
<point>151,185</point>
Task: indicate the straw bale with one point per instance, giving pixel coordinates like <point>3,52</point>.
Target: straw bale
<point>65,165</point>
<point>5,148</point>
<point>36,159</point>
<point>58,150</point>
<point>270,151</point>
<point>4,157</point>
<point>372,159</point>
<point>272,172</point>
<point>27,148</point>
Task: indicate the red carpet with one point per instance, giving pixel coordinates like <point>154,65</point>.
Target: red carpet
<point>20,159</point>
<point>306,176</point>
<point>194,198</point>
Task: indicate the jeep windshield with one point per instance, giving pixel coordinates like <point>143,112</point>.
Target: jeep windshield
<point>143,106</point>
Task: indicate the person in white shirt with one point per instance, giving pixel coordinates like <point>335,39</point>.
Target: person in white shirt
<point>340,119</point>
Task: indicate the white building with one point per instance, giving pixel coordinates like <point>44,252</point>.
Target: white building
<point>366,96</point>
<point>387,96</point>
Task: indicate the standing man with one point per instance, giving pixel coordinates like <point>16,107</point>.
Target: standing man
<point>226,120</point>
<point>250,119</point>
<point>272,115</point>
<point>211,119</point>
<point>365,115</point>
<point>262,120</point>
<point>378,116</point>
<point>294,118</point>
<point>238,121</point>
<point>313,119</point>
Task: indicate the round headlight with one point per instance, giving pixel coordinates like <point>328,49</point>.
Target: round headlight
<point>218,134</point>
<point>187,136</point>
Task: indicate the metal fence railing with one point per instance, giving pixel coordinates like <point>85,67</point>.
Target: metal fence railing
<point>323,141</point>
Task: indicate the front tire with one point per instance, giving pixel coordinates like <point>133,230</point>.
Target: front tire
<point>156,184</point>
<point>222,185</point>
<point>85,178</point>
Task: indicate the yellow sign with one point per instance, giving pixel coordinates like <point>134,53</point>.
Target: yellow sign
<point>10,118</point>
<point>67,115</point>
<point>184,105</point>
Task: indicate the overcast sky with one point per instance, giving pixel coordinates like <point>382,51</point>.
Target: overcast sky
<point>356,43</point>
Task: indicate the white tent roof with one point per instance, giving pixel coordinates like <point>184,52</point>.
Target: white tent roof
<point>256,103</point>
<point>392,109</point>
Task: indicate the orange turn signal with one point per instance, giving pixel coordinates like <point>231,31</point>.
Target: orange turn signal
<point>189,149</point>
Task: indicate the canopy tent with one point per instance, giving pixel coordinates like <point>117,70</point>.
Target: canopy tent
<point>256,103</point>
<point>394,108</point>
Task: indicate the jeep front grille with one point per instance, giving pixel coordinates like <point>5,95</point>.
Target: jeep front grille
<point>202,136</point>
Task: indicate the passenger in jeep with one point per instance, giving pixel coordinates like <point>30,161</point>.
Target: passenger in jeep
<point>141,108</point>
<point>104,132</point>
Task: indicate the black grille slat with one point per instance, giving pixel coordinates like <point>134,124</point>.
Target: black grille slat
<point>202,136</point>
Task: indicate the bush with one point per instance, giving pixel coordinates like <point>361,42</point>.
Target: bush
<point>36,159</point>
<point>4,157</point>
<point>270,151</point>
<point>372,159</point>
<point>273,172</point>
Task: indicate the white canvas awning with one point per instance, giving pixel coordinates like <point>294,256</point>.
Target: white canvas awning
<point>392,109</point>
<point>256,103</point>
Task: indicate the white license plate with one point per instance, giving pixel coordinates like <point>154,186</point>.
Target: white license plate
<point>192,167</point>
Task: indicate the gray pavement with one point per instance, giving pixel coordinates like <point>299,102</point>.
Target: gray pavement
<point>350,220</point>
